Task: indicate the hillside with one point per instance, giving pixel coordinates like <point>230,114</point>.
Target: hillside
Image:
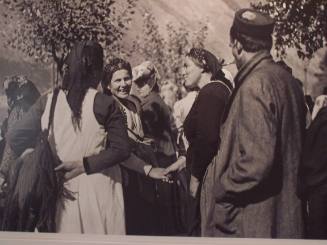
<point>217,13</point>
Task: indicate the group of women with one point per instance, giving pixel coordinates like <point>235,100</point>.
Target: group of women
<point>128,169</point>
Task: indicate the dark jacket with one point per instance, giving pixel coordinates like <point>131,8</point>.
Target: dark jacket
<point>158,125</point>
<point>313,169</point>
<point>249,189</point>
<point>202,126</point>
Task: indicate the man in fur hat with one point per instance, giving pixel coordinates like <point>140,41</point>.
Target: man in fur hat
<point>250,187</point>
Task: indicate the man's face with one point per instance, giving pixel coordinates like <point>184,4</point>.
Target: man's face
<point>233,44</point>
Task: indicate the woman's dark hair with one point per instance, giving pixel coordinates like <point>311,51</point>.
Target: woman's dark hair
<point>208,62</point>
<point>84,69</point>
<point>114,65</point>
<point>251,44</point>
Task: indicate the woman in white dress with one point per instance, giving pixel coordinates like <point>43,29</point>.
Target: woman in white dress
<point>89,136</point>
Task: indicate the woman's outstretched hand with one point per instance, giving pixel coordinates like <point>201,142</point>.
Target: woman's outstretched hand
<point>176,166</point>
<point>71,169</point>
<point>160,174</point>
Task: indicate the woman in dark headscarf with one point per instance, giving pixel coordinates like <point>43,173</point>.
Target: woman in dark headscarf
<point>202,70</point>
<point>21,94</point>
<point>89,136</point>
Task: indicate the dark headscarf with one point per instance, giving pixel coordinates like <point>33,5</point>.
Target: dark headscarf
<point>208,62</point>
<point>20,92</point>
<point>84,71</point>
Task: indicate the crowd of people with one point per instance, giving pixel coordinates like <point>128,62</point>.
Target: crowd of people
<point>235,157</point>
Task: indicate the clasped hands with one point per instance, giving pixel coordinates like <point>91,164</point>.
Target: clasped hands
<point>75,168</point>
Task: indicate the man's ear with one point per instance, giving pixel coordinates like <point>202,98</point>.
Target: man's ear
<point>239,47</point>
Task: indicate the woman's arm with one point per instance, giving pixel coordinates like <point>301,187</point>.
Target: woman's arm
<point>108,113</point>
<point>138,165</point>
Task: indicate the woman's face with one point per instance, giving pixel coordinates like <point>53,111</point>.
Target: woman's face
<point>191,73</point>
<point>120,84</point>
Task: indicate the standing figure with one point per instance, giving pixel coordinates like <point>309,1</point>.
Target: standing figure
<point>312,186</point>
<point>89,136</point>
<point>158,125</point>
<point>21,94</point>
<point>202,123</point>
<point>139,189</point>
<point>250,187</point>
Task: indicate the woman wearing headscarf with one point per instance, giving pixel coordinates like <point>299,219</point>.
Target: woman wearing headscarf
<point>139,191</point>
<point>202,124</point>
<point>89,136</point>
<point>158,125</point>
<point>21,94</point>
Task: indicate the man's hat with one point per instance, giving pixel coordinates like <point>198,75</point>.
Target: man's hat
<point>253,23</point>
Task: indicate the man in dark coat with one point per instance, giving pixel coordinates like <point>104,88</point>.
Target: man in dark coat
<point>249,188</point>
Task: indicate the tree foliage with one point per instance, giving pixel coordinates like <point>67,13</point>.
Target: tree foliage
<point>322,74</point>
<point>45,29</point>
<point>167,52</point>
<point>300,24</point>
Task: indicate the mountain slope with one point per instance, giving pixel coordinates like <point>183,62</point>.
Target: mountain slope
<point>218,14</point>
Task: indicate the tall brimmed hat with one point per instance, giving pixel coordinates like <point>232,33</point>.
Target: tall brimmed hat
<point>253,23</point>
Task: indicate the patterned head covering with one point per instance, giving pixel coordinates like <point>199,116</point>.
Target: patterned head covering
<point>145,77</point>
<point>207,61</point>
<point>20,91</point>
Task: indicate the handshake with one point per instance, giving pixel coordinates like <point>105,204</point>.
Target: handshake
<point>165,174</point>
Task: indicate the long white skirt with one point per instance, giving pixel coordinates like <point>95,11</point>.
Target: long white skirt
<point>98,207</point>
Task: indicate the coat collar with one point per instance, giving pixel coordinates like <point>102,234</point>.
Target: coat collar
<point>244,71</point>
<point>250,65</point>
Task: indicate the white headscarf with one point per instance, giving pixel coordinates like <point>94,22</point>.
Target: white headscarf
<point>321,101</point>
<point>145,77</point>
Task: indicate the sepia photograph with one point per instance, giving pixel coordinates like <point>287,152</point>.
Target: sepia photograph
<point>163,121</point>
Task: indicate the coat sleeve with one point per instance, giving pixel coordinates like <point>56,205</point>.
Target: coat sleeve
<point>107,112</point>
<point>135,163</point>
<point>257,135</point>
<point>24,132</point>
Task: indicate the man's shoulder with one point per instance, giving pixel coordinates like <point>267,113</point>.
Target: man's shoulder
<point>269,75</point>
